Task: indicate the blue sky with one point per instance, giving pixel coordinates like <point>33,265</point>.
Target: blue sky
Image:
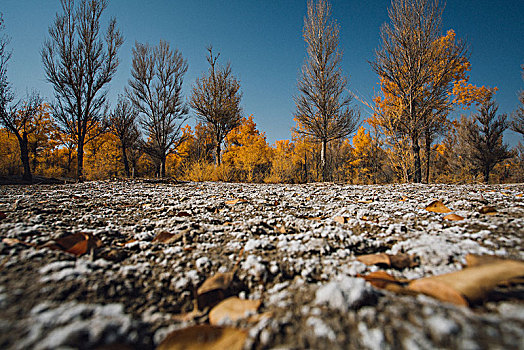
<point>263,41</point>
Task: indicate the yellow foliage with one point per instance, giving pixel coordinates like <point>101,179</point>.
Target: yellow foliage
<point>247,150</point>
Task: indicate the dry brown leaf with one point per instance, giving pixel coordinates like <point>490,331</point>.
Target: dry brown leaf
<point>383,280</point>
<point>453,217</point>
<point>213,290</point>
<point>183,214</point>
<point>167,237</point>
<point>438,207</point>
<point>258,317</point>
<point>13,241</point>
<point>235,201</point>
<point>78,243</point>
<point>470,285</point>
<point>234,309</point>
<point>398,261</point>
<point>367,201</point>
<point>2,215</point>
<point>477,260</point>
<point>488,210</point>
<point>204,337</point>
<point>341,219</point>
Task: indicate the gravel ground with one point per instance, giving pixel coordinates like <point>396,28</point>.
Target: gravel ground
<point>285,244</point>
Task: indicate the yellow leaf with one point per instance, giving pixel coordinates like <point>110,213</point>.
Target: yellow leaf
<point>437,207</point>
<point>453,217</point>
<point>234,309</point>
<point>204,337</point>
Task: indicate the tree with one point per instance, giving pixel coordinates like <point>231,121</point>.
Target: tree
<point>417,68</point>
<point>6,95</point>
<point>517,123</point>
<point>79,61</point>
<point>216,100</point>
<point>20,122</point>
<point>122,124</point>
<point>322,108</point>
<point>247,150</point>
<point>481,139</point>
<point>155,90</point>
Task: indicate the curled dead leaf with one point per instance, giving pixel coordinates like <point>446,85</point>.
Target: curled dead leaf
<point>77,243</point>
<point>488,210</point>
<point>167,237</point>
<point>235,201</point>
<point>397,261</point>
<point>453,217</point>
<point>341,219</point>
<point>438,207</point>
<point>213,290</point>
<point>204,337</point>
<point>470,285</point>
<point>234,309</point>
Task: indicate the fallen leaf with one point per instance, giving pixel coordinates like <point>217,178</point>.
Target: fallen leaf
<point>477,260</point>
<point>367,201</point>
<point>488,210</point>
<point>519,195</point>
<point>234,309</point>
<point>470,285</point>
<point>383,280</point>
<point>437,207</point>
<point>341,219</point>
<point>2,215</point>
<point>77,243</point>
<point>13,241</point>
<point>404,198</point>
<point>397,261</point>
<point>258,317</point>
<point>235,201</point>
<point>204,337</point>
<point>167,237</point>
<point>453,217</point>
<point>213,290</point>
<point>183,214</point>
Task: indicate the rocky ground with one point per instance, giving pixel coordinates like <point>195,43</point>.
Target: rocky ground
<point>286,245</point>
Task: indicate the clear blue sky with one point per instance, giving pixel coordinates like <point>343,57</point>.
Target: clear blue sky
<point>263,41</point>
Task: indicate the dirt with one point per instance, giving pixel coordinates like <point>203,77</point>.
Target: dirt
<point>285,245</point>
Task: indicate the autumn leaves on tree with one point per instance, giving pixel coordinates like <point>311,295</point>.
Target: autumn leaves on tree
<point>409,135</point>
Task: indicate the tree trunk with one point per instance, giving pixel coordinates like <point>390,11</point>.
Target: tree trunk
<point>428,156</point>
<point>218,154</point>
<point>323,163</point>
<point>80,162</point>
<point>124,159</point>
<point>486,175</point>
<point>163,166</point>
<point>417,178</point>
<point>24,157</point>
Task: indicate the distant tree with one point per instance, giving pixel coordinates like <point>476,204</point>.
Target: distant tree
<point>517,124</point>
<point>6,95</point>
<point>155,90</point>
<point>480,139</point>
<point>322,108</point>
<point>20,121</point>
<point>122,124</point>
<point>417,67</point>
<point>216,100</point>
<point>79,61</point>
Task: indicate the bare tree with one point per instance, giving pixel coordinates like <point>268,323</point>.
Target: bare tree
<point>20,121</point>
<point>322,108</point>
<point>6,95</point>
<point>79,61</point>
<point>517,124</point>
<point>416,71</point>
<point>155,90</point>
<point>122,124</point>
<point>216,99</point>
<point>481,141</point>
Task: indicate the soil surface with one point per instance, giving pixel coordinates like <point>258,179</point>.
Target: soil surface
<point>287,246</point>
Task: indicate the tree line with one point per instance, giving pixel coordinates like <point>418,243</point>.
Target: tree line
<point>423,75</point>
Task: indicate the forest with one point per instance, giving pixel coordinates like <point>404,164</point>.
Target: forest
<point>409,136</point>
